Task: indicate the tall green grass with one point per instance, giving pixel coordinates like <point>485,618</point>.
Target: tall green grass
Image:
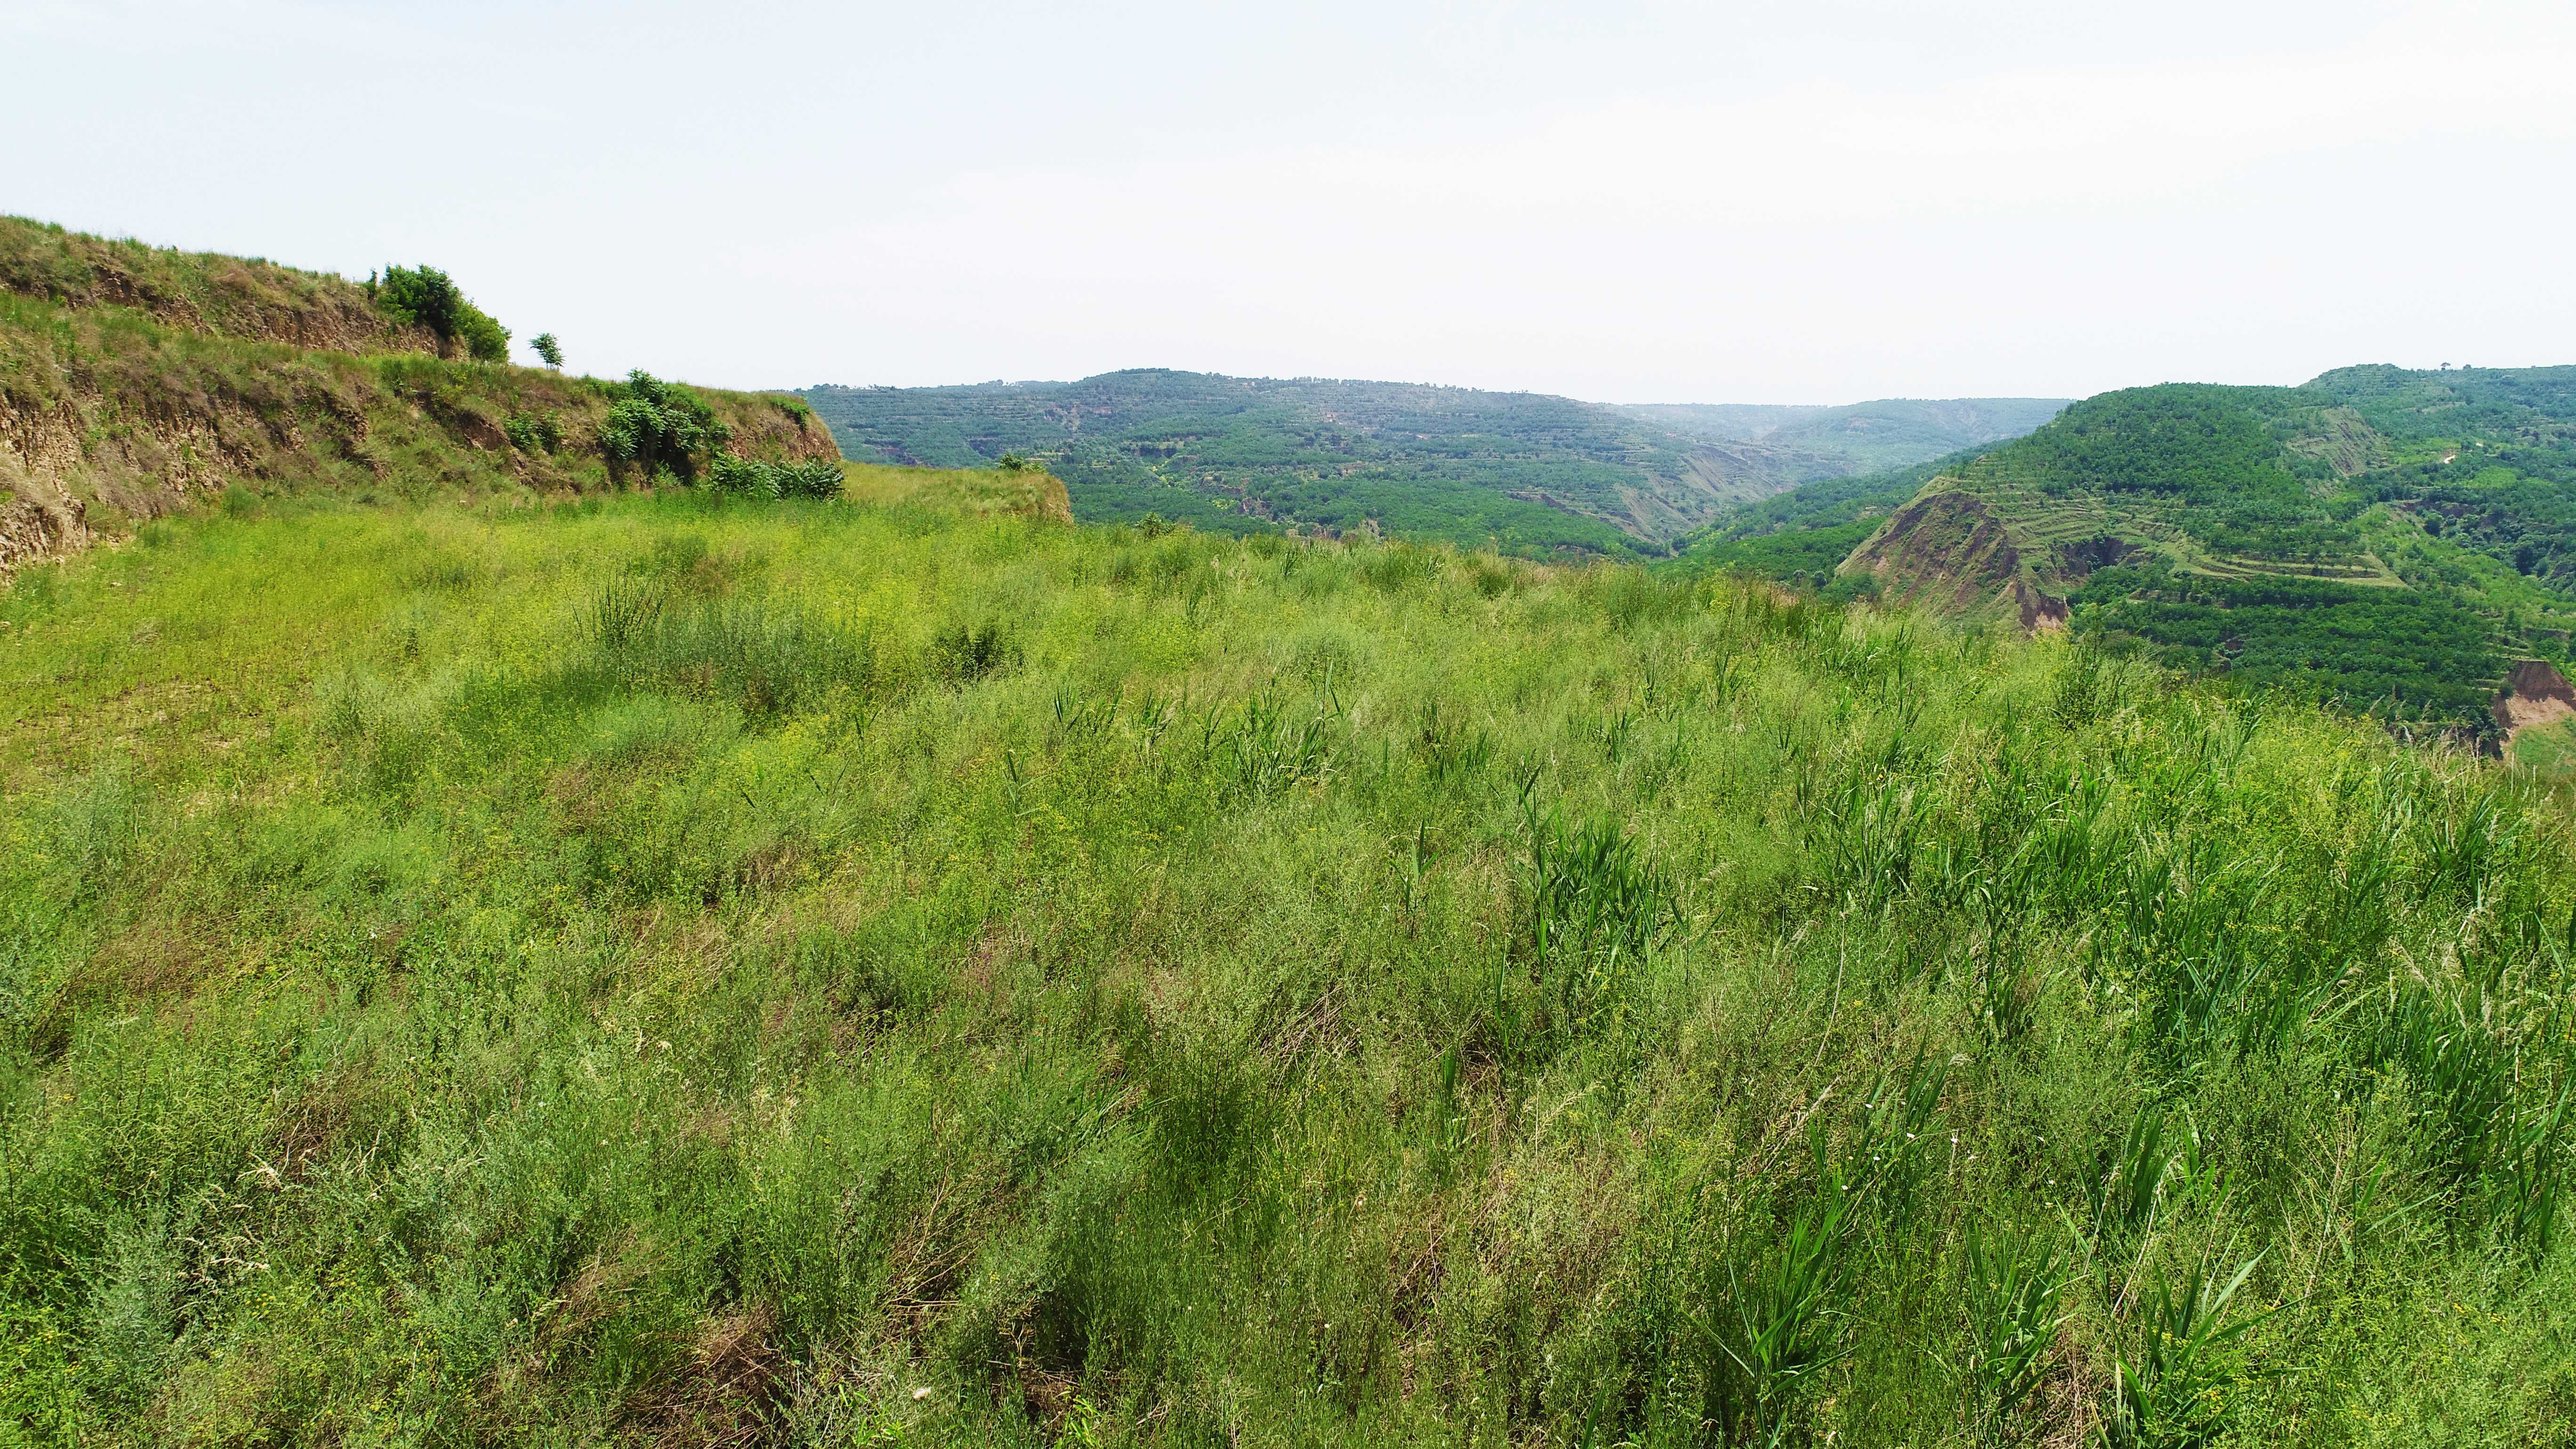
<point>663,971</point>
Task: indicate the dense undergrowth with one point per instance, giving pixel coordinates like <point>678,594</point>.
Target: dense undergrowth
<point>670,970</point>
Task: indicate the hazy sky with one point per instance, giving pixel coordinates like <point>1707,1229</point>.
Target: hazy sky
<point>1776,202</point>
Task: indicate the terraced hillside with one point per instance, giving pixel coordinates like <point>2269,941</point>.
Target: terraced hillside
<point>2392,539</point>
<point>1524,472</point>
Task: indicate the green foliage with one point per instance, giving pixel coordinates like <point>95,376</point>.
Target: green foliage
<point>1527,474</point>
<point>548,350</point>
<point>2401,652</point>
<point>752,477</point>
<point>1799,555</point>
<point>1865,438</point>
<point>533,433</point>
<point>2175,1392</point>
<point>643,969</point>
<point>654,426</point>
<point>428,297</point>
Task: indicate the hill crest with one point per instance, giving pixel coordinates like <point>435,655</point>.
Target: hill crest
<point>136,382</point>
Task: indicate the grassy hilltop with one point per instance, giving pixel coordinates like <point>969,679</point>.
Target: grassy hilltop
<point>904,970</point>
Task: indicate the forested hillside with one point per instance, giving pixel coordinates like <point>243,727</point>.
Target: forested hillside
<point>2391,539</point>
<point>1528,473</point>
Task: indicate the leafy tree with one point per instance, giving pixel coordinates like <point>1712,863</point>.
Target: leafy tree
<point>428,297</point>
<point>549,351</point>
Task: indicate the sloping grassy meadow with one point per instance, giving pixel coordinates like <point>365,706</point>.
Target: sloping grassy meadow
<point>661,970</point>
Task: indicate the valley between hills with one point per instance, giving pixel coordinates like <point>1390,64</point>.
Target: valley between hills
<point>1182,910</point>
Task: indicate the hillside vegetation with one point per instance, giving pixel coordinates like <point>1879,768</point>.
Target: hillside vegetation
<point>1523,472</point>
<point>657,969</point>
<point>1802,536</point>
<point>137,382</point>
<point>2389,539</point>
<point>1874,437</point>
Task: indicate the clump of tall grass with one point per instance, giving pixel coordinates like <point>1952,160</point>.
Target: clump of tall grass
<point>95,828</point>
<point>1792,1310</point>
<point>1266,745</point>
<point>2017,1300</point>
<point>1598,907</point>
<point>768,660</point>
<point>964,653</point>
<point>2171,1391</point>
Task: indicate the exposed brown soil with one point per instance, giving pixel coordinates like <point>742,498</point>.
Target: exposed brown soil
<point>2534,694</point>
<point>1947,549</point>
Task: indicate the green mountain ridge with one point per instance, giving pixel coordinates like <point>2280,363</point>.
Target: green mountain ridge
<point>1874,436</point>
<point>1525,472</point>
<point>2388,538</point>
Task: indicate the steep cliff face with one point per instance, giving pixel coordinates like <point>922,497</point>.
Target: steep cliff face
<point>135,387</point>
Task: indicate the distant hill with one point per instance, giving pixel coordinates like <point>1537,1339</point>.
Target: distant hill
<point>1870,436</point>
<point>2394,539</point>
<point>1528,472</point>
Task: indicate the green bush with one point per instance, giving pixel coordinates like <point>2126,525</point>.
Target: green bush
<point>654,425</point>
<point>428,297</point>
<point>753,478</point>
<point>530,433</point>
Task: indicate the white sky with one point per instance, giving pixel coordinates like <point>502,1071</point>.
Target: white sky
<point>1819,201</point>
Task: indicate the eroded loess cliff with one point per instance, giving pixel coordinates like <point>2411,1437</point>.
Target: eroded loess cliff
<point>1947,549</point>
<point>136,383</point>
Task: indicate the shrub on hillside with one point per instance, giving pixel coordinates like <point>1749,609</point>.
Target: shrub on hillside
<point>656,425</point>
<point>754,478</point>
<point>428,297</point>
<point>532,434</point>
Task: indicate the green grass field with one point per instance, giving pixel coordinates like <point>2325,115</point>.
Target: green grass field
<point>664,970</point>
